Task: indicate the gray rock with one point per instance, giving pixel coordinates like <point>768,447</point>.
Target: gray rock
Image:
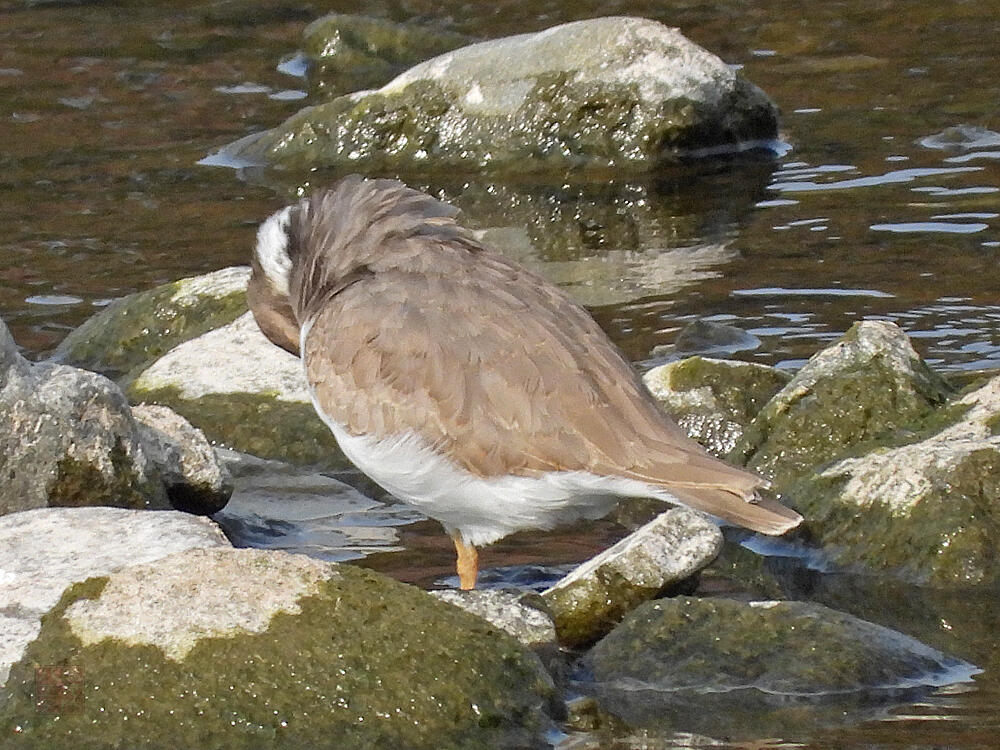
<point>705,336</point>
<point>757,669</point>
<point>714,399</point>
<point>68,439</point>
<point>43,551</point>
<point>132,332</point>
<point>921,509</point>
<point>243,392</point>
<point>864,387</point>
<point>591,599</point>
<point>195,480</point>
<point>608,92</point>
<point>511,611</point>
<point>351,52</point>
<point>255,649</point>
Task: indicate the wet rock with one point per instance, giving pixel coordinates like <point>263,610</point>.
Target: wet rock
<point>278,506</point>
<point>243,392</point>
<point>924,509</point>
<point>704,336</point>
<point>864,387</point>
<point>962,138</point>
<point>45,550</point>
<point>195,480</point>
<point>589,601</point>
<point>714,399</point>
<point>609,92</point>
<point>757,669</point>
<point>254,649</point>
<point>132,332</point>
<point>521,615</point>
<point>69,439</point>
<point>351,52</point>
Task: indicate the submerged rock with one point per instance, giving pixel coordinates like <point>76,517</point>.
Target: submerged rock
<point>925,509</point>
<point>589,601</point>
<point>714,400</point>
<point>45,550</point>
<point>351,52</point>
<point>132,332</point>
<point>244,392</point>
<point>195,480</point>
<point>607,92</point>
<point>252,649</point>
<point>864,387</point>
<point>68,439</point>
<point>757,669</point>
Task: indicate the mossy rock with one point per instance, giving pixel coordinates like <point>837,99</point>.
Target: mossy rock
<point>742,669</point>
<point>862,389</point>
<point>714,399</point>
<point>244,393</point>
<point>351,52</point>
<point>130,333</point>
<point>614,92</point>
<point>356,661</point>
<point>925,508</point>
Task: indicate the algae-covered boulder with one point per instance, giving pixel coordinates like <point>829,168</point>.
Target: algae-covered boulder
<point>757,669</point>
<point>243,392</point>
<point>131,332</point>
<point>592,598</point>
<point>253,649</point>
<point>68,439</point>
<point>608,92</point>
<point>863,388</point>
<point>351,52</point>
<point>45,550</point>
<point>927,510</point>
<point>714,400</point>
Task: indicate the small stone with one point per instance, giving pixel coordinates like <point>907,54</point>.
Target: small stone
<point>511,611</point>
<point>591,599</point>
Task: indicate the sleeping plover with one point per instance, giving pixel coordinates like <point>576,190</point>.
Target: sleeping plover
<point>466,385</point>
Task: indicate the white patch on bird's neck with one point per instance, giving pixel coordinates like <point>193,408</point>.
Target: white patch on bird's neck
<point>272,249</point>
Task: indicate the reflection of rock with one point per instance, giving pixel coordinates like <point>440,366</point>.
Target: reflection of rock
<point>43,551</point>
<point>609,92</point>
<point>714,399</point>
<point>757,669</point>
<point>68,439</point>
<point>250,649</point>
<point>244,392</point>
<point>276,506</point>
<point>350,52</point>
<point>593,597</point>
<point>132,332</point>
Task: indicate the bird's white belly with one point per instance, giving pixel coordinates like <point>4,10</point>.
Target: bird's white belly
<point>480,509</point>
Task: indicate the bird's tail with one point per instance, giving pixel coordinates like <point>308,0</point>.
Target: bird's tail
<point>757,513</point>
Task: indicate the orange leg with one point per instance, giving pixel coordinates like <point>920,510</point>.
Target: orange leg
<point>468,563</point>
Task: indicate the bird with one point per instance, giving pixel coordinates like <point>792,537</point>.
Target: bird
<point>466,385</point>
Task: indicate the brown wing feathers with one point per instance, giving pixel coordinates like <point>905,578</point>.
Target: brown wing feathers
<point>437,336</point>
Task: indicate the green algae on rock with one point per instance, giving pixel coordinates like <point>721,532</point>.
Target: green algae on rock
<point>746,668</point>
<point>352,52</point>
<point>252,649</point>
<point>244,393</point>
<point>609,92</point>
<point>863,388</point>
<point>714,400</point>
<point>132,332</point>
<point>926,507</point>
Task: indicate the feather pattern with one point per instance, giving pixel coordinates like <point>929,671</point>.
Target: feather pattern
<point>410,329</point>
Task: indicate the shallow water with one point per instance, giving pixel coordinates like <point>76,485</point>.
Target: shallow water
<point>884,206</point>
